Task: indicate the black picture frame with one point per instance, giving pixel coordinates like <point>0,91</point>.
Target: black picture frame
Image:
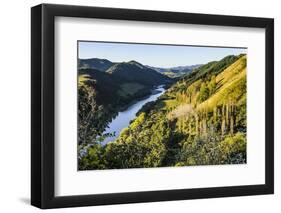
<point>43,105</point>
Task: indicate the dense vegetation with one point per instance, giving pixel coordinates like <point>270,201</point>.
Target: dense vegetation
<point>136,72</point>
<point>102,94</point>
<point>199,120</point>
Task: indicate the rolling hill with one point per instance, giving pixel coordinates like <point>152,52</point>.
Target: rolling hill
<point>94,63</point>
<point>122,82</point>
<point>111,90</point>
<point>133,71</point>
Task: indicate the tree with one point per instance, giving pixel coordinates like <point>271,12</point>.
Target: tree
<point>203,93</point>
<point>212,85</point>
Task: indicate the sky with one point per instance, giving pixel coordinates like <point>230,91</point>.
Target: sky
<point>154,55</point>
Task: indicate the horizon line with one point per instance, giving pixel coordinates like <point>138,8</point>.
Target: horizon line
<point>94,49</point>
<point>156,66</point>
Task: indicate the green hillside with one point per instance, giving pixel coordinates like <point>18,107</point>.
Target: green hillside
<point>103,94</point>
<point>199,120</point>
<point>135,72</point>
<point>111,90</point>
<point>94,63</point>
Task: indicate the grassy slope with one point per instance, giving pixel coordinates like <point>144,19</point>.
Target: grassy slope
<point>229,83</point>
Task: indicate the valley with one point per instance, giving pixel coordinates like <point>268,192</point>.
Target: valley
<point>198,119</point>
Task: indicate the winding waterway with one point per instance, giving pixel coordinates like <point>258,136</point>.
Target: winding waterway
<point>123,118</point>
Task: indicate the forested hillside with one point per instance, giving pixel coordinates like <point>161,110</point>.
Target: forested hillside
<point>199,120</point>
<point>95,63</point>
<point>136,72</point>
<point>103,94</point>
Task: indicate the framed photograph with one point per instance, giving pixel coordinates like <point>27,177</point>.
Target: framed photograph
<point>139,106</point>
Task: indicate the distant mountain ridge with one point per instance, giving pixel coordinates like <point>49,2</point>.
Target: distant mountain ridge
<point>175,69</point>
<point>104,64</point>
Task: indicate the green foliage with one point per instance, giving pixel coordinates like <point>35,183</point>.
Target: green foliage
<point>203,93</point>
<point>212,86</point>
<point>138,121</point>
<point>130,89</point>
<point>213,150</point>
<point>233,149</point>
<point>94,159</point>
<point>92,117</point>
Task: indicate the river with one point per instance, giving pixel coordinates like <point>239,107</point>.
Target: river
<point>123,118</point>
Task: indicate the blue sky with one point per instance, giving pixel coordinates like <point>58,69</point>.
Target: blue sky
<point>154,55</point>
